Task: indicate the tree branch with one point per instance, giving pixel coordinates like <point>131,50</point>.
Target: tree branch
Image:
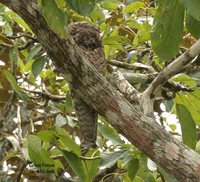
<point>134,66</point>
<point>175,67</point>
<point>127,119</point>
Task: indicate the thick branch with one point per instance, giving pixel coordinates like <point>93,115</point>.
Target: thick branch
<point>127,119</point>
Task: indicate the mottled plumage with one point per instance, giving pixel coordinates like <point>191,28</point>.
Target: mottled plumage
<point>88,40</point>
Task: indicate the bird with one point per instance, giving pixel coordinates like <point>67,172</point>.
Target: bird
<point>87,38</point>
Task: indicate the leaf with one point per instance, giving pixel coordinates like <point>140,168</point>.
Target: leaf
<point>75,163</point>
<point>185,79</point>
<point>60,120</point>
<point>56,19</point>
<point>133,167</point>
<point>92,166</point>
<point>188,126</point>
<point>38,65</point>
<point>192,7</point>
<point>34,142</point>
<point>110,5</point>
<point>109,133</point>
<point>37,154</point>
<point>33,52</point>
<point>110,158</point>
<point>191,101</point>
<point>112,40</point>
<point>193,26</point>
<point>18,20</point>
<point>9,76</point>
<point>13,54</point>
<point>66,140</point>
<point>46,135</point>
<point>82,7</point>
<point>69,105</point>
<point>167,31</point>
<point>134,6</point>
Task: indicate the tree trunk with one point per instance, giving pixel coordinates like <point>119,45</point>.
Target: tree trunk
<point>142,131</point>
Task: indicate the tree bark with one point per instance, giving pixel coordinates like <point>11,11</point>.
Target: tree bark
<point>142,131</point>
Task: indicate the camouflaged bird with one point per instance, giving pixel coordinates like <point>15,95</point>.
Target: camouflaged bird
<point>88,40</point>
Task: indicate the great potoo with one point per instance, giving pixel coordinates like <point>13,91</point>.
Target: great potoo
<point>88,40</point>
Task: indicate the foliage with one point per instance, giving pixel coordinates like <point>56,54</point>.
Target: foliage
<point>36,96</point>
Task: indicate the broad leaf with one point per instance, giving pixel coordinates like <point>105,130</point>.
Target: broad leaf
<point>110,5</point>
<point>15,85</point>
<point>82,7</point>
<point>133,167</point>
<point>192,7</point>
<point>34,51</point>
<point>56,19</point>
<point>134,6</point>
<point>109,133</point>
<point>110,158</point>
<point>66,140</point>
<point>191,102</point>
<point>91,166</point>
<point>46,135</point>
<point>193,26</point>
<point>38,65</point>
<point>167,30</point>
<point>14,54</point>
<point>188,126</point>
<point>37,154</point>
<point>184,78</point>
<point>75,163</point>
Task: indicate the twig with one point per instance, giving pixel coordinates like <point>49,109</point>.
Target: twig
<point>46,94</point>
<point>26,45</point>
<point>134,66</point>
<point>22,35</point>
<point>89,158</point>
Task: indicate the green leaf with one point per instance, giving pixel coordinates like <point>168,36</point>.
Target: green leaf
<point>18,20</point>
<point>134,6</point>
<point>9,76</point>
<point>60,120</point>
<point>34,51</point>
<point>69,105</point>
<point>92,166</point>
<point>97,14</point>
<point>82,7</point>
<point>109,133</point>
<point>189,81</point>
<point>118,40</point>
<point>166,176</point>
<point>193,26</point>
<point>188,126</point>
<point>34,143</point>
<point>110,5</point>
<point>133,167</point>
<point>46,135</point>
<point>167,31</point>
<point>37,154</point>
<point>56,19</point>
<point>75,163</point>
<point>14,54</point>
<point>110,158</point>
<point>191,101</point>
<point>192,7</point>
<point>66,140</point>
<point>38,65</point>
